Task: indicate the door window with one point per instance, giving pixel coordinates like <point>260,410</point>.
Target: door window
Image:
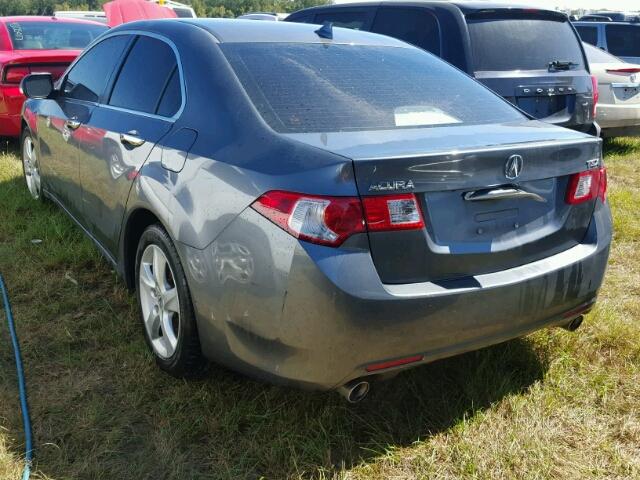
<point>354,20</point>
<point>149,72</point>
<point>412,25</point>
<point>588,34</point>
<point>623,40</point>
<point>88,78</point>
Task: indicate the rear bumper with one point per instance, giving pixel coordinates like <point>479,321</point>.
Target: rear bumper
<point>619,120</point>
<point>314,316</point>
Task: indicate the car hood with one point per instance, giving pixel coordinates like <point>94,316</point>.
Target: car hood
<point>123,11</point>
<point>420,141</point>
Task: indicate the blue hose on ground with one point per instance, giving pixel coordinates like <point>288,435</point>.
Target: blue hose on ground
<point>21,383</point>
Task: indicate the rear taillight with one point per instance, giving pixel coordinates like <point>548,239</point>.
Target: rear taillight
<point>331,220</point>
<point>585,186</point>
<point>317,219</point>
<point>392,212</point>
<point>596,95</point>
<point>14,74</point>
<point>623,71</point>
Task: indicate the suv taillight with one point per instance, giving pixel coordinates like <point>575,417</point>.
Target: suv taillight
<point>330,220</point>
<point>585,186</point>
<point>596,95</point>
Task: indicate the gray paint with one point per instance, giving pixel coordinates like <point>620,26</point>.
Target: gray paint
<point>286,310</point>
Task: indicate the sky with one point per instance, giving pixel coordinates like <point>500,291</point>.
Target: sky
<point>588,4</point>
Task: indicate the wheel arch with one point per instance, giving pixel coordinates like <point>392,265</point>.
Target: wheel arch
<point>134,226</point>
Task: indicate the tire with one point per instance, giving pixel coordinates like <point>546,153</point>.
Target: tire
<point>30,165</point>
<point>166,309</point>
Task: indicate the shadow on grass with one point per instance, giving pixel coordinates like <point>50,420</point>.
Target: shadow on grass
<point>101,408</point>
<point>621,146</point>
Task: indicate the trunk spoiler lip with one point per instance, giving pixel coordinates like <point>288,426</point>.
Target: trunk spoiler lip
<point>488,148</point>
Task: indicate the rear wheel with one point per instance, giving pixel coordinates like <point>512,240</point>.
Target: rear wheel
<point>31,165</point>
<point>165,305</point>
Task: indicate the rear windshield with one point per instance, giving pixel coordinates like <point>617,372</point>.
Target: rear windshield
<point>326,88</point>
<point>54,35</point>
<point>595,55</point>
<point>501,44</point>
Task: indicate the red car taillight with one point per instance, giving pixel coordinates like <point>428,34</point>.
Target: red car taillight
<point>14,74</point>
<point>587,185</point>
<point>623,71</point>
<point>596,95</point>
<point>331,220</point>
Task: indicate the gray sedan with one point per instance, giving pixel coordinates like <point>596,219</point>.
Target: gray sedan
<point>317,207</point>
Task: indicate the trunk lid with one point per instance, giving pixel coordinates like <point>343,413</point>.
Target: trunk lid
<point>464,237</point>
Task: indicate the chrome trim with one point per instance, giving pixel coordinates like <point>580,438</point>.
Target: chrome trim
<point>183,89</point>
<point>501,193</point>
<point>625,85</point>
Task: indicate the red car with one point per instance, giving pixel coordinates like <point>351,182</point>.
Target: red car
<point>36,44</point>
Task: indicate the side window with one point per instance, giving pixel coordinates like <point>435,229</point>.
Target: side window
<point>623,40</point>
<point>354,20</point>
<point>172,97</point>
<point>588,34</point>
<point>148,72</point>
<point>308,18</point>
<point>412,25</point>
<point>88,78</point>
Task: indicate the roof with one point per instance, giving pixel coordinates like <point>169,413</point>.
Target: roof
<point>34,18</point>
<point>587,23</point>
<point>463,5</point>
<point>244,31</point>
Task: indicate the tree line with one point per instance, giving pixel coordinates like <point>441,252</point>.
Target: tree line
<point>203,8</point>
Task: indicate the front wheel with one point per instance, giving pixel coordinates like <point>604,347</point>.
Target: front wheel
<point>31,165</point>
<point>165,305</point>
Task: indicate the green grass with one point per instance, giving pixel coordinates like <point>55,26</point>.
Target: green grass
<point>552,405</point>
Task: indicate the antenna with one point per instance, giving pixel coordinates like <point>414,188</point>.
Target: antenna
<point>326,30</point>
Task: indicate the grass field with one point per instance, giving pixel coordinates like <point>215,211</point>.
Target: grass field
<point>552,405</point>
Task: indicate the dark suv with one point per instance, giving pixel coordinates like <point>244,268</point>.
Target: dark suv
<point>532,57</point>
<point>621,39</point>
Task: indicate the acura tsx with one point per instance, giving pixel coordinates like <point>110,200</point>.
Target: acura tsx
<point>315,206</point>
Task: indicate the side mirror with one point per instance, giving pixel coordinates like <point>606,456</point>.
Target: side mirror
<point>37,85</point>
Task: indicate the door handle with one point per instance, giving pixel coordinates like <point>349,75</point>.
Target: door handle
<point>501,193</point>
<point>72,123</point>
<point>131,139</point>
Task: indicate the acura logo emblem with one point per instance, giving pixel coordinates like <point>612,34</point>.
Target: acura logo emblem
<point>513,167</point>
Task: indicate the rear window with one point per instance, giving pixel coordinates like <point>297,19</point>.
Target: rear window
<point>623,40</point>
<point>595,55</point>
<point>301,88</point>
<point>354,20</point>
<point>502,44</point>
<point>52,35</point>
<point>416,26</point>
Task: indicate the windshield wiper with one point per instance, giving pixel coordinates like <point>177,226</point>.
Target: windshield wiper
<point>561,65</point>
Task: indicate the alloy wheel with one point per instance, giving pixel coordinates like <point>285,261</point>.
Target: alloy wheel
<point>31,169</point>
<point>159,301</point>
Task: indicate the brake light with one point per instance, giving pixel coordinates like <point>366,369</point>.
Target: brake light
<point>585,186</point>
<point>596,95</point>
<point>623,71</point>
<point>392,212</point>
<point>317,219</point>
<point>331,220</point>
<point>15,74</point>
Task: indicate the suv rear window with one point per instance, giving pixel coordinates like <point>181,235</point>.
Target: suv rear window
<point>623,40</point>
<point>301,88</point>
<point>502,44</point>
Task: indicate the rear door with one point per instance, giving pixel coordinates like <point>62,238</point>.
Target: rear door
<point>623,41</point>
<point>535,60</point>
<point>141,108</point>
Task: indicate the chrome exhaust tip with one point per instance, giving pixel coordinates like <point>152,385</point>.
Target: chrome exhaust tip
<point>354,391</point>
<point>574,324</point>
